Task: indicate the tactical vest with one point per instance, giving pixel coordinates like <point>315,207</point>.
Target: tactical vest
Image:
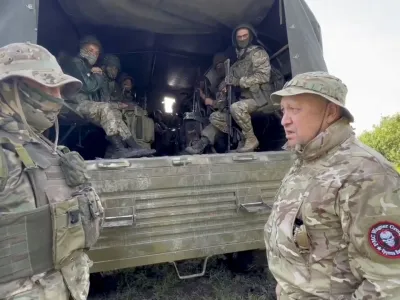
<point>243,68</point>
<point>66,221</point>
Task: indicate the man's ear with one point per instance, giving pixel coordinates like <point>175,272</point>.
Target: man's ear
<point>334,113</point>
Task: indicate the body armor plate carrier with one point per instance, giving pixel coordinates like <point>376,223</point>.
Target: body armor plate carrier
<point>67,220</point>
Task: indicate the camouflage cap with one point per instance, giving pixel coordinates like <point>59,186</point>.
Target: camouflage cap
<point>34,62</point>
<point>319,83</point>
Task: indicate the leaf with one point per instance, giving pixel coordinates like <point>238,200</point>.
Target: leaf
<point>385,138</point>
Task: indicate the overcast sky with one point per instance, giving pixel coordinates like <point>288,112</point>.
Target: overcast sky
<point>361,40</point>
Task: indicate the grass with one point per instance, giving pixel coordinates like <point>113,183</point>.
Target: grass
<point>222,281</point>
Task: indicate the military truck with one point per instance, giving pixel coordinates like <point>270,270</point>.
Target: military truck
<point>176,207</point>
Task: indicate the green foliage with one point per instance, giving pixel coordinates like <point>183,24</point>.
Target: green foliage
<point>385,138</point>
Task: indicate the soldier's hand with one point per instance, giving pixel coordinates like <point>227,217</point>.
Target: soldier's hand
<point>202,95</point>
<point>97,70</point>
<point>230,80</point>
<point>209,101</point>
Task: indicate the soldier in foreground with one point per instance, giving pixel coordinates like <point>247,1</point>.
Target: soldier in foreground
<point>251,74</point>
<point>46,224</point>
<point>218,119</point>
<point>334,229</point>
<point>90,101</point>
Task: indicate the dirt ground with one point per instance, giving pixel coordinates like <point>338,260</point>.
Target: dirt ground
<point>238,277</point>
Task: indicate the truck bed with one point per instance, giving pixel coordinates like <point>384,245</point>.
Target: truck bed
<point>165,209</point>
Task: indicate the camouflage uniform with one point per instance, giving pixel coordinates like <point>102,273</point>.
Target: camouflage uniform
<point>334,229</point>
<point>218,119</point>
<point>92,103</point>
<point>111,90</point>
<point>251,72</point>
<point>17,194</point>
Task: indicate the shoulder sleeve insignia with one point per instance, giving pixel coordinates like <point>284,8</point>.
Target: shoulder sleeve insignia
<point>384,238</point>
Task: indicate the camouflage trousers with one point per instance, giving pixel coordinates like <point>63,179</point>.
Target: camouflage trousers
<point>105,116</point>
<point>218,122</point>
<point>71,282</point>
<point>241,112</point>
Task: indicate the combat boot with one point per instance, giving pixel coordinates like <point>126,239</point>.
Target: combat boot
<point>198,146</point>
<point>139,149</point>
<point>250,144</point>
<point>120,151</point>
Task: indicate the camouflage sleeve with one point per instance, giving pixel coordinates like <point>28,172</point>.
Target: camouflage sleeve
<point>17,193</point>
<point>370,215</point>
<point>261,69</point>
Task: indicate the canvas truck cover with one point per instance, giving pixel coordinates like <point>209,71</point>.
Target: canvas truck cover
<point>304,36</point>
<point>18,21</point>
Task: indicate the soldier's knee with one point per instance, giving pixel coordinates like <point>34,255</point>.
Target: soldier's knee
<point>237,108</point>
<point>213,116</point>
<point>234,108</point>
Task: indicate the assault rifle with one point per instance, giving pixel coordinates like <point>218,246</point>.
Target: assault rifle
<point>227,65</point>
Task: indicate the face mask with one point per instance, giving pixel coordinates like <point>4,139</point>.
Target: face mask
<point>91,58</point>
<point>112,72</point>
<point>40,109</point>
<point>243,43</point>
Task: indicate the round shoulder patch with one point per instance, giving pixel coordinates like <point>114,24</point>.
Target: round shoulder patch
<point>384,238</point>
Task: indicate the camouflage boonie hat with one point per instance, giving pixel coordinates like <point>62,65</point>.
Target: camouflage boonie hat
<point>38,64</point>
<point>319,83</point>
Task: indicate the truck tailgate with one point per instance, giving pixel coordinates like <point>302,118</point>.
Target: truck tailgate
<point>165,209</point>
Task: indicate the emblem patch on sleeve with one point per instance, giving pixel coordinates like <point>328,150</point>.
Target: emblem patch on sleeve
<point>384,238</point>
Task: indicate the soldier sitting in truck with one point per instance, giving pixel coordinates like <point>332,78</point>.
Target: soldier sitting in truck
<point>89,101</point>
<point>251,74</point>
<point>132,114</point>
<point>111,90</point>
<point>218,122</point>
<point>127,84</point>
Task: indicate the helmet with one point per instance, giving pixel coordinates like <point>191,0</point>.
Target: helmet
<point>89,39</point>
<point>38,64</point>
<point>111,60</point>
